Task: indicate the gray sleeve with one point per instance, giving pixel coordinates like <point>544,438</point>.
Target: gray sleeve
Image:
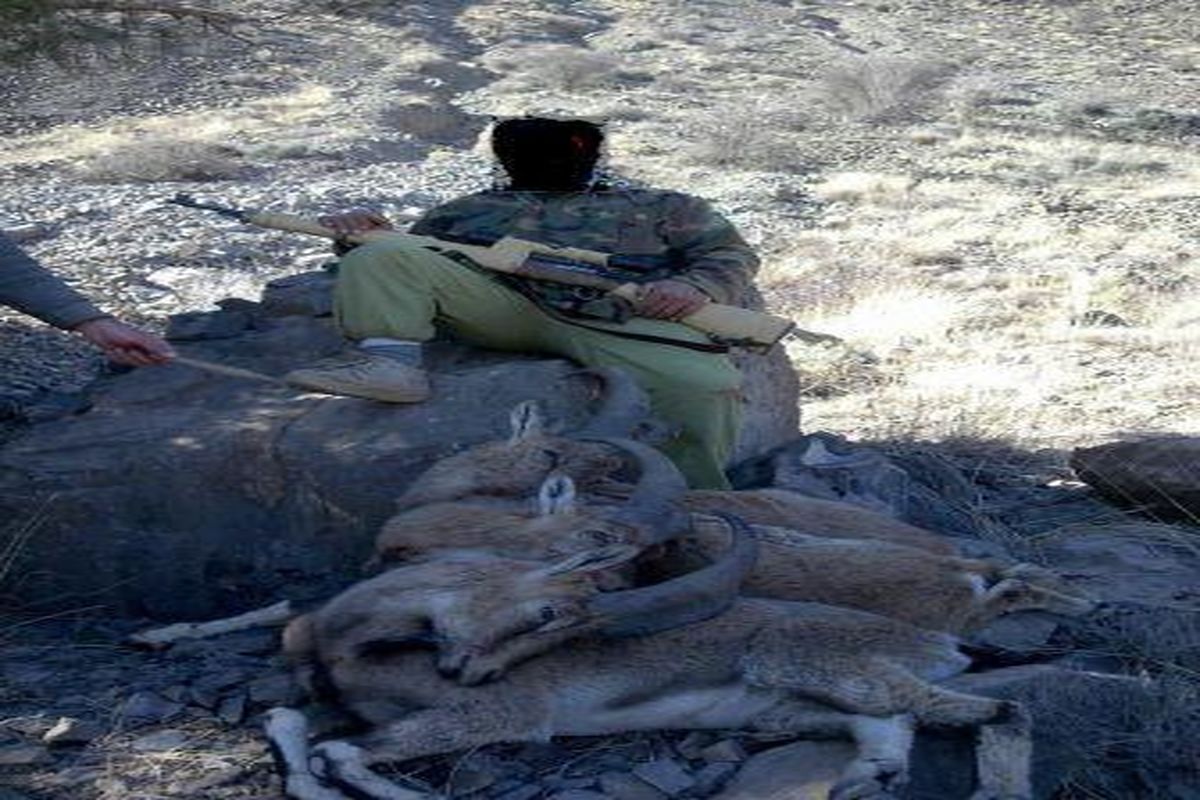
<point>30,288</point>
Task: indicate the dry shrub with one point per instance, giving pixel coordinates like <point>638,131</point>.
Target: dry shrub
<point>866,187</point>
<point>165,159</point>
<point>750,137</point>
<point>440,123</point>
<point>559,66</point>
<point>880,89</point>
<point>1142,743</point>
<point>835,370</point>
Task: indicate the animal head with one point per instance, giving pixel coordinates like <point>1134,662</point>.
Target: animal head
<point>541,607</point>
<point>514,467</point>
<point>560,525</point>
<point>482,613</point>
<point>1027,587</point>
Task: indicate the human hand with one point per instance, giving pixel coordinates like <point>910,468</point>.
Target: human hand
<point>125,344</point>
<point>359,220</point>
<point>669,300</point>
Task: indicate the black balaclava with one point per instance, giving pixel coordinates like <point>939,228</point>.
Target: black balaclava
<point>549,155</point>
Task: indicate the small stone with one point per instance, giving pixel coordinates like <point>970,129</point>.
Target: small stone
<point>577,794</point>
<point>159,741</point>
<point>75,776</point>
<point>203,696</point>
<point>201,325</point>
<point>20,755</point>
<point>525,792</point>
<point>665,775</point>
<point>724,750</point>
<point>690,746</point>
<point>623,786</point>
<point>68,731</point>
<point>274,690</point>
<point>466,780</point>
<point>218,681</point>
<point>176,694</point>
<point>560,783</point>
<point>232,708</point>
<point>711,777</point>
<point>144,708</point>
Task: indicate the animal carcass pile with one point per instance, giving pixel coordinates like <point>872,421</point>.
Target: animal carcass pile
<point>563,585</point>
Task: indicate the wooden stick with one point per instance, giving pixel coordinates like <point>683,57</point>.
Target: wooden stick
<point>233,372</point>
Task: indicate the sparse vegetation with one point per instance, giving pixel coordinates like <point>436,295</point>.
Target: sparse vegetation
<point>749,137</point>
<point>880,89</point>
<point>67,30</point>
<point>164,159</point>
<point>557,66</point>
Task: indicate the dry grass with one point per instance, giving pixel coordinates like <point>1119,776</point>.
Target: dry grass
<point>881,88</point>
<point>166,159</point>
<point>557,66</point>
<point>748,137</point>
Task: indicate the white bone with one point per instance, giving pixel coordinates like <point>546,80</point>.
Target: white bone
<point>276,614</point>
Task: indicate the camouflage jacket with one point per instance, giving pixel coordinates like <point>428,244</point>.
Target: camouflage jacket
<point>682,236</point>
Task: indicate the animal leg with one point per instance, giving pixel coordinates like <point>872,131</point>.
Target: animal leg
<point>881,766</point>
<point>287,732</point>
<point>1003,754</point>
<point>424,733</point>
<point>346,765</point>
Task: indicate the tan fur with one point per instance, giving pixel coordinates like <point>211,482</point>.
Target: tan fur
<point>512,468</point>
<point>816,517</point>
<point>763,665</point>
<point>940,592</point>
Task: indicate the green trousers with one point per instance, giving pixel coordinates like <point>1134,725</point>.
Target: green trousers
<point>397,290</point>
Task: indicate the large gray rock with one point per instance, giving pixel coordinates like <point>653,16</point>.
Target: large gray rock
<point>798,771</point>
<point>1159,475</point>
<point>1134,562</point>
<point>188,494</point>
<point>1090,730</point>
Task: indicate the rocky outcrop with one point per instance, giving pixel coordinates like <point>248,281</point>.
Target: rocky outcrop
<point>182,493</point>
<point>1160,476</point>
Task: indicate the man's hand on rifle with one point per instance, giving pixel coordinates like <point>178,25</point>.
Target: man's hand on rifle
<point>359,220</point>
<point>670,300</point>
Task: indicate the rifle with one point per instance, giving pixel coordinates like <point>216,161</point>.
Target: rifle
<point>569,265</point>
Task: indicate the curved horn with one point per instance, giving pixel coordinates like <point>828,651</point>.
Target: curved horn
<point>694,597</point>
<point>623,405</point>
<point>653,507</point>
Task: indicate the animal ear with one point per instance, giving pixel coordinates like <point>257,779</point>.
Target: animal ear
<point>595,560</point>
<point>556,496</point>
<point>525,421</point>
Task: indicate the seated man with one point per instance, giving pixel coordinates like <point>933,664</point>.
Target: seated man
<point>389,293</point>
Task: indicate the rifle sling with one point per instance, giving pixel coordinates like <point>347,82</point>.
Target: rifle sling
<point>554,313</point>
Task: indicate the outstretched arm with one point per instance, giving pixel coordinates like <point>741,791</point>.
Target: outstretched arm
<point>30,288</point>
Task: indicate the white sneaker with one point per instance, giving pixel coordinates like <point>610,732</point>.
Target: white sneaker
<point>372,377</point>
